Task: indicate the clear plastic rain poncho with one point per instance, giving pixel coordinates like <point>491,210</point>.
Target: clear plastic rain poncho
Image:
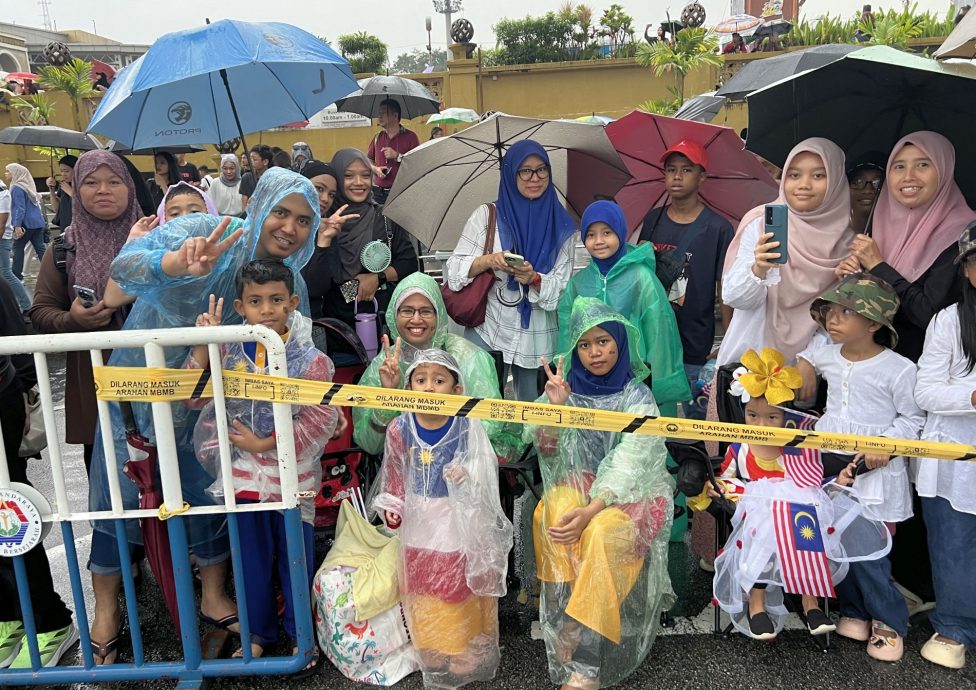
<point>255,475</point>
<point>751,557</point>
<point>167,302</point>
<point>477,371</point>
<point>454,540</point>
<point>602,597</point>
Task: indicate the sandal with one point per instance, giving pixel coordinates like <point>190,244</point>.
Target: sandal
<point>239,654</point>
<point>102,650</point>
<point>311,667</point>
<point>223,623</point>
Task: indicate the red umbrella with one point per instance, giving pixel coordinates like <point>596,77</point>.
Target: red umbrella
<point>736,181</point>
<point>142,469</point>
<point>22,76</point>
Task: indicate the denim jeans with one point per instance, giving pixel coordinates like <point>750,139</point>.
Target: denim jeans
<point>104,558</point>
<point>952,550</point>
<point>38,239</point>
<point>691,409</point>
<point>20,292</point>
<point>525,381</point>
<point>868,593</point>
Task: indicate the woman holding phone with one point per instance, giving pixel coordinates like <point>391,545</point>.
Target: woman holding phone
<point>532,260</point>
<point>771,284</point>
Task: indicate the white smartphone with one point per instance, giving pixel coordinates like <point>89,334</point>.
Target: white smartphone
<point>514,260</point>
<point>86,295</point>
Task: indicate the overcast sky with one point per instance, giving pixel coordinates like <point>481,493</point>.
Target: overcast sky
<point>400,23</point>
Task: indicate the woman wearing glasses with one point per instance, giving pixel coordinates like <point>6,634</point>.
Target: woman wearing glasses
<point>418,321</point>
<point>532,259</point>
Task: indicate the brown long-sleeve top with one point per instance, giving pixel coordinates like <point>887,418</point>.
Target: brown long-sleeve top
<point>50,314</point>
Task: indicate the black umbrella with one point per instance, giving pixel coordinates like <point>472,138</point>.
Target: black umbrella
<point>701,108</point>
<point>759,74</point>
<point>866,101</point>
<point>413,97</point>
<point>48,136</point>
<point>773,27</point>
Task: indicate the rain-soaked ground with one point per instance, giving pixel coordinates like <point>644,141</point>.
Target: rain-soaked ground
<point>686,655</point>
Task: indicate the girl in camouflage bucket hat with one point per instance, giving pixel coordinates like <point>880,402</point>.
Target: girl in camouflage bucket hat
<point>946,389</point>
<point>870,392</point>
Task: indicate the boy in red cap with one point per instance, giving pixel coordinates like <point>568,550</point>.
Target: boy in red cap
<point>691,232</point>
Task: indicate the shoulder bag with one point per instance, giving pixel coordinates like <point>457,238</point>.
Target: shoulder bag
<point>467,306</point>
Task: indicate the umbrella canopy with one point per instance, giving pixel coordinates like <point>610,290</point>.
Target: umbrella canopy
<point>866,101</point>
<point>773,27</point>
<point>214,83</point>
<point>961,43</point>
<point>736,181</point>
<point>758,74</point>
<point>439,187</point>
<point>595,119</point>
<point>116,147</point>
<point>51,137</point>
<point>413,97</point>
<point>22,76</point>
<point>142,468</point>
<point>453,116</point>
<point>737,23</point>
<point>701,108</point>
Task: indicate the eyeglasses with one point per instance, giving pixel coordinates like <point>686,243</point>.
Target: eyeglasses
<point>842,314</point>
<point>525,174</point>
<point>860,183</point>
<point>408,312</point>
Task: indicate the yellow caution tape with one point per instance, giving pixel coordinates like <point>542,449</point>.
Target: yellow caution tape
<point>165,514</point>
<point>148,384</point>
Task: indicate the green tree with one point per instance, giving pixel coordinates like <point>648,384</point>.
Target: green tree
<point>617,26</point>
<point>580,16</point>
<point>34,110</point>
<point>416,61</point>
<point>692,48</point>
<point>661,106</point>
<point>75,80</point>
<point>365,52</point>
<point>548,38</point>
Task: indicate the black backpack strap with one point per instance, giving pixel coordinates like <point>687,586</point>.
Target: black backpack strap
<point>61,248</point>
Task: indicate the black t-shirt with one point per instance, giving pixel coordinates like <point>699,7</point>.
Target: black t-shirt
<point>248,184</point>
<point>189,173</point>
<point>696,316</point>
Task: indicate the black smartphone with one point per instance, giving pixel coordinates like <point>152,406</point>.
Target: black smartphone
<point>776,221</point>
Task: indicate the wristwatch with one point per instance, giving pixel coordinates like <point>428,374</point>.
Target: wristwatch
<point>381,277</point>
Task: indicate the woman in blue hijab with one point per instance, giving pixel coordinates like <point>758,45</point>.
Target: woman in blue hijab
<point>601,530</point>
<point>170,273</point>
<point>520,318</point>
<point>623,276</point>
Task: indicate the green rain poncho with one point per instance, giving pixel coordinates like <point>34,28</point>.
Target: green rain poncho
<point>602,597</point>
<point>477,370</point>
<point>631,288</point>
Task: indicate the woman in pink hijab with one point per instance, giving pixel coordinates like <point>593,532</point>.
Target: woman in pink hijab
<point>919,217</point>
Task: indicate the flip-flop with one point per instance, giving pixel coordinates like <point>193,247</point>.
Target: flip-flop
<point>223,623</point>
<point>311,668</point>
<point>101,650</point>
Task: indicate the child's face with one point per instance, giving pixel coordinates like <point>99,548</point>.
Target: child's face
<point>761,413</point>
<point>268,305</point>
<point>433,378</point>
<point>805,183</point>
<point>184,205</point>
<point>286,228</point>
<point>969,268</point>
<point>846,325</point>
<point>597,351</point>
<point>601,241</point>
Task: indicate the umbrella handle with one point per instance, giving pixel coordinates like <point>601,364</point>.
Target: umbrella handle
<point>868,229</point>
<point>128,417</point>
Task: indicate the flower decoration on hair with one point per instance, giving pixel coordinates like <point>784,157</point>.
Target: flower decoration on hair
<point>768,377</point>
<point>736,388</point>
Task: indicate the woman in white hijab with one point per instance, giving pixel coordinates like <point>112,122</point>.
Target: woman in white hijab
<point>224,191</point>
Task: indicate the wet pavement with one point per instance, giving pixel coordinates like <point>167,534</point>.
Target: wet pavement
<point>686,655</point>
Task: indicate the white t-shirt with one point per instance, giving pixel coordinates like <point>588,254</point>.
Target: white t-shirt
<point>8,230</point>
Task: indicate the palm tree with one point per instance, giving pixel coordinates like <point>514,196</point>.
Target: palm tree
<point>691,49</point>
<point>75,80</point>
<point>34,110</point>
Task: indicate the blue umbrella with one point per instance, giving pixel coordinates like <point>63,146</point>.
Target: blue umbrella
<point>216,82</point>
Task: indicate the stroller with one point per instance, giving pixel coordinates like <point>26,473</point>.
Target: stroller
<point>344,466</point>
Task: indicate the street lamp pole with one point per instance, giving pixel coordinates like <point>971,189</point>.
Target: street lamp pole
<point>447,8</point>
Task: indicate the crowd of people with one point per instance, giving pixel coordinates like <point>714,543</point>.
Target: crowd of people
<point>864,320</point>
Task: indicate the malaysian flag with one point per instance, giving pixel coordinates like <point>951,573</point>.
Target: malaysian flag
<point>803,465</point>
<point>800,547</point>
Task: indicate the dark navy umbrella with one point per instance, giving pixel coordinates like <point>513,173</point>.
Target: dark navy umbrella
<point>759,74</point>
<point>217,82</point>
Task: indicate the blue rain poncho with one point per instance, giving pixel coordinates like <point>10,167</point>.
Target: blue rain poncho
<point>164,301</point>
<point>602,597</point>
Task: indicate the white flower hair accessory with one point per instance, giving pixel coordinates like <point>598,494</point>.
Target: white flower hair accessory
<point>736,388</point>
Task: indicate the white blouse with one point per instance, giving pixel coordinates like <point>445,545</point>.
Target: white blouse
<point>502,329</point>
<point>873,397</point>
<point>944,389</point>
